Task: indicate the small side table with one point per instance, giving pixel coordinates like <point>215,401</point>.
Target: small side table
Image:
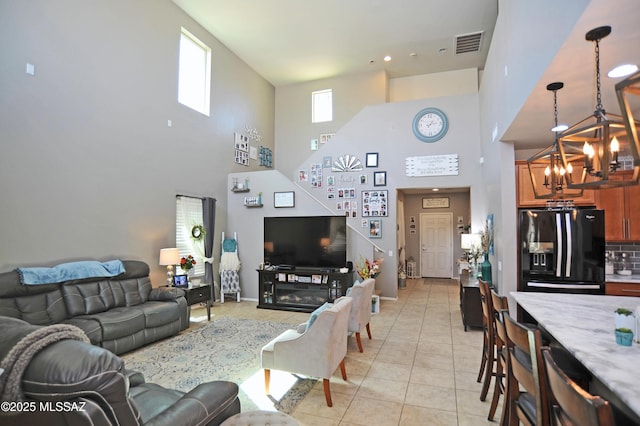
<point>199,294</point>
<point>470,303</point>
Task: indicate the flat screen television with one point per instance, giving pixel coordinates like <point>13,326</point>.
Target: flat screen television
<point>306,241</point>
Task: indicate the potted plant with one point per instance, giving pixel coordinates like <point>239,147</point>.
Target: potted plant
<point>624,318</point>
<point>624,336</point>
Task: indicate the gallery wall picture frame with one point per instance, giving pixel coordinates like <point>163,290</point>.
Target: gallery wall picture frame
<point>284,199</point>
<point>379,178</point>
<point>371,159</point>
<point>375,228</point>
<point>374,203</point>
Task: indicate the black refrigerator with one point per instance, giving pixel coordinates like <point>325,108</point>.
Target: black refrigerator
<point>562,250</point>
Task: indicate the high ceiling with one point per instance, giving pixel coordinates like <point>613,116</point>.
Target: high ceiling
<point>291,41</point>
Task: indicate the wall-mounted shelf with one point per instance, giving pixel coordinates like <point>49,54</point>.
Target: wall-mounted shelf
<point>253,205</point>
<point>240,190</point>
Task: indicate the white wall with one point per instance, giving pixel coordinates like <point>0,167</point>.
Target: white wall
<point>385,129</point>
<point>515,63</point>
<point>89,168</point>
<point>451,83</point>
<point>293,128</point>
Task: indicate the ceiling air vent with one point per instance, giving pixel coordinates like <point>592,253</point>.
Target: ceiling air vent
<point>467,43</point>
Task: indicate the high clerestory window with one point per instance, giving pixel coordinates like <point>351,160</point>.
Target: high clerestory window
<point>322,106</point>
<point>194,74</point>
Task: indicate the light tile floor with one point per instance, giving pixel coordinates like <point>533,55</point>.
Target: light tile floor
<point>420,368</point>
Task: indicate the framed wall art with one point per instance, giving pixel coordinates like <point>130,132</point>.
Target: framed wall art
<point>284,199</point>
<point>374,203</point>
<point>375,228</point>
<point>379,178</point>
<point>372,159</point>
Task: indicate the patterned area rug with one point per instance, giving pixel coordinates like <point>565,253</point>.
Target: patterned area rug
<point>225,349</point>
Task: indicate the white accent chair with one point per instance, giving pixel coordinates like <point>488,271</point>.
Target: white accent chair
<point>315,351</point>
<point>360,315</point>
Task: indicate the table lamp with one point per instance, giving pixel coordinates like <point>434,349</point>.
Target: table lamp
<point>169,257</point>
<point>469,242</point>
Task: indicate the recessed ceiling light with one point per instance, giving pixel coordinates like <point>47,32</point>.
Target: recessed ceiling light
<point>413,54</point>
<point>560,128</point>
<point>435,189</point>
<point>442,50</point>
<point>387,58</point>
<point>622,70</point>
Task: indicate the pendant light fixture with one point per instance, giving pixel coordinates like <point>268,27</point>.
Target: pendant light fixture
<point>597,141</point>
<point>631,86</point>
<point>549,176</point>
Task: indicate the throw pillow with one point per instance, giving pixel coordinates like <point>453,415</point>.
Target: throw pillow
<point>314,314</point>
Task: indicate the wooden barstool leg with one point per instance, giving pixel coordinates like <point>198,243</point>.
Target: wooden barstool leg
<point>359,341</point>
<point>267,380</point>
<point>369,331</point>
<point>497,388</point>
<point>488,373</point>
<point>327,392</point>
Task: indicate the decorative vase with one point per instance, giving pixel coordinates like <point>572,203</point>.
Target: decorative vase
<point>625,321</point>
<point>486,269</point>
<point>624,338</point>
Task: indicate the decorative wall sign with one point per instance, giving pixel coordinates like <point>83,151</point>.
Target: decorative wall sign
<point>347,163</point>
<point>432,165</point>
<point>374,203</point>
<point>435,203</point>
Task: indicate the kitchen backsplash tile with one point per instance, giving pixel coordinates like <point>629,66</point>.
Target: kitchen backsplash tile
<point>633,254</point>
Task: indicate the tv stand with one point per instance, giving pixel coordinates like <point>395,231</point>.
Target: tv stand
<point>301,290</point>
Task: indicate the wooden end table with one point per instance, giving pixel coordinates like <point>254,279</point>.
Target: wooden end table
<point>199,294</point>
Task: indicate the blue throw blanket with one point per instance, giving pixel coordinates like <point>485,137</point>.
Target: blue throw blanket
<point>70,271</point>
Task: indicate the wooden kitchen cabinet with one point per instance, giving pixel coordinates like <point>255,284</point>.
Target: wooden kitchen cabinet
<point>622,289</point>
<point>526,196</point>
<point>622,210</point>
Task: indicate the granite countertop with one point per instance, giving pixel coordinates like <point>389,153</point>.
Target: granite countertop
<point>584,325</point>
<point>615,278</point>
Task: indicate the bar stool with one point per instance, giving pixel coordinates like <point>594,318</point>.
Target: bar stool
<point>499,304</point>
<point>572,405</point>
<point>526,370</point>
<point>489,341</point>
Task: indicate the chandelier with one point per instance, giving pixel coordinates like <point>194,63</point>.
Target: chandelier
<point>556,175</point>
<point>631,86</point>
<point>596,142</point>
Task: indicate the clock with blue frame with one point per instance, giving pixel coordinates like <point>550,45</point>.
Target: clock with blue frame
<point>430,125</point>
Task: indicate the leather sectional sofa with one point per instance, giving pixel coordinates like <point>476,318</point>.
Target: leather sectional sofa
<point>120,313</point>
<point>52,377</point>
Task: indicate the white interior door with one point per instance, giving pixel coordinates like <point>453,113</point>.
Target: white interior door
<point>436,251</point>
